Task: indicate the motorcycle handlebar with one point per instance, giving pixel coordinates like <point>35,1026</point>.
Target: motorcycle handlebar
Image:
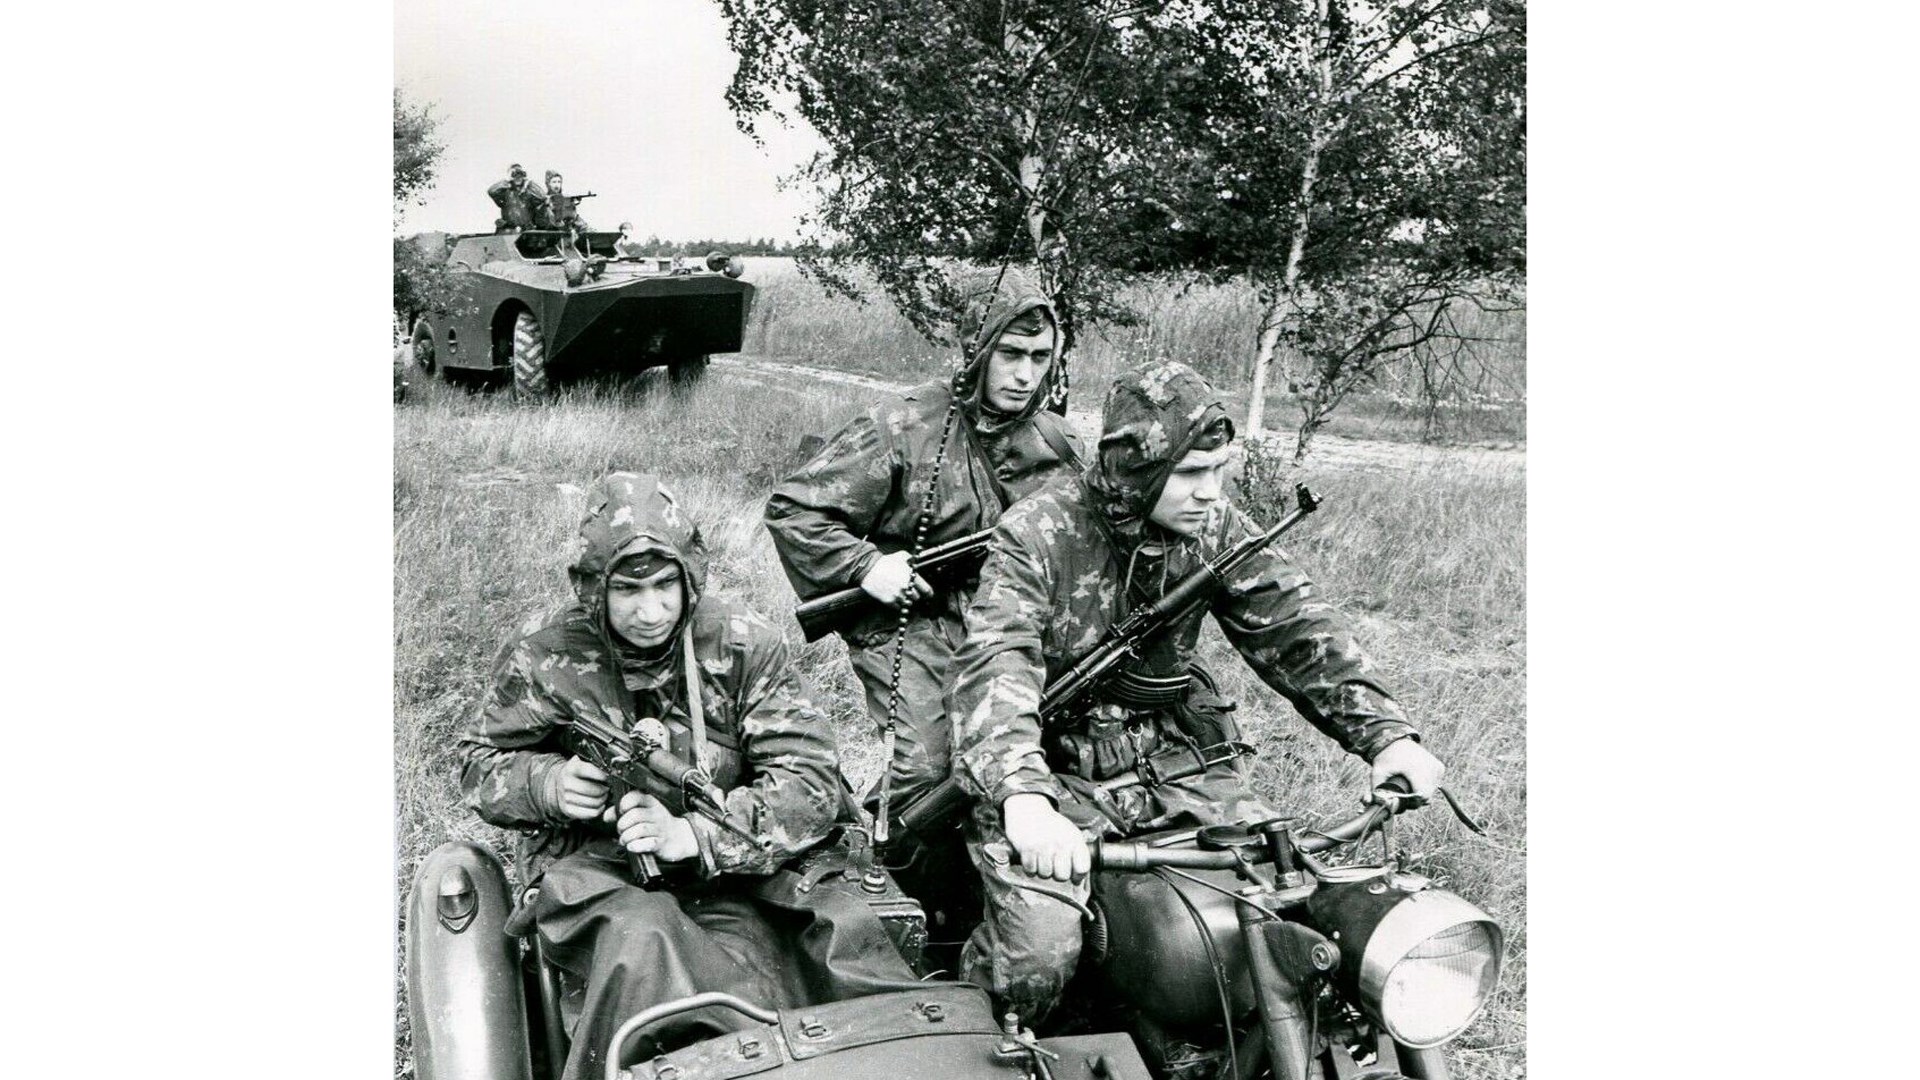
<point>1388,799</point>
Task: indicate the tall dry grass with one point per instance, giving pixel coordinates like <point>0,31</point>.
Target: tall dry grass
<point>1428,562</point>
<point>1210,327</point>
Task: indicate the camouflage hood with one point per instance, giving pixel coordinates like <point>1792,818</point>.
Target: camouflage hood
<point>1153,417</point>
<point>992,300</point>
<point>630,514</point>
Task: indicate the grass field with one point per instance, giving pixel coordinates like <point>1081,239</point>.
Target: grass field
<point>1211,327</point>
<point>1427,560</point>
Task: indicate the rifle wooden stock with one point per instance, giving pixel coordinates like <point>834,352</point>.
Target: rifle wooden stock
<point>838,610</point>
<point>946,798</point>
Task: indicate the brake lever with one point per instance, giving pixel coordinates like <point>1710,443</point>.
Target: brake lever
<point>1398,802</point>
<point>1454,805</point>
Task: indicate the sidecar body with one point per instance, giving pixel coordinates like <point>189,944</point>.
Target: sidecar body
<point>484,1006</point>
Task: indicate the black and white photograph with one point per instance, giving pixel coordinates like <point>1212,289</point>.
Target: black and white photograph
<point>979,539</point>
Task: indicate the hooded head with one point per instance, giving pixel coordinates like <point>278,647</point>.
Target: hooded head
<point>1153,418</point>
<point>634,530</point>
<point>996,303</point>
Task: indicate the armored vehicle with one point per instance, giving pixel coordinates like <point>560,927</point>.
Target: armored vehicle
<point>534,310</point>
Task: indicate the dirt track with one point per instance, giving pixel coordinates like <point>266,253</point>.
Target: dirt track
<point>1332,452</point>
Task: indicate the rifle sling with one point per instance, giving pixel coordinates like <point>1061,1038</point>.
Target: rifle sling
<point>696,709</point>
<point>1062,449</point>
<point>979,453</point>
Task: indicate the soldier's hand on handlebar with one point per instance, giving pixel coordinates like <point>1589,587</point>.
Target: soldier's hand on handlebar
<point>583,789</point>
<point>891,580</point>
<point>1411,762</point>
<point>1049,845</point>
<point>647,827</point>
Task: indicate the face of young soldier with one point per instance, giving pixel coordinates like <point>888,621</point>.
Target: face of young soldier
<point>1016,368</point>
<point>553,185</point>
<point>1197,483</point>
<point>644,611</point>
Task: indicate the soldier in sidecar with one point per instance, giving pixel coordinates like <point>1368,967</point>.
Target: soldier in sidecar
<point>724,910</point>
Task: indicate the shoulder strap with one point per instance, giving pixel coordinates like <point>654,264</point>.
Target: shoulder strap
<point>696,709</point>
<point>1057,440</point>
<point>986,464</point>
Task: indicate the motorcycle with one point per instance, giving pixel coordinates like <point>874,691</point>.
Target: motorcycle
<point>1229,952</point>
<point>1247,950</point>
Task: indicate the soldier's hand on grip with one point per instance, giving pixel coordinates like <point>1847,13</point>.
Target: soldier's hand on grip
<point>1049,845</point>
<point>891,580</point>
<point>1410,761</point>
<point>583,789</point>
<point>647,827</point>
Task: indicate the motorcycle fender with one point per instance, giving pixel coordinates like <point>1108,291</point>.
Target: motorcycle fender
<point>464,996</point>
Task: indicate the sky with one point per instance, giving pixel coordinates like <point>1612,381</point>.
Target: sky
<point>624,97</point>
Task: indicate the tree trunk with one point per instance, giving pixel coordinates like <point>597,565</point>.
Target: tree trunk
<point>1289,291</point>
<point>1268,339</point>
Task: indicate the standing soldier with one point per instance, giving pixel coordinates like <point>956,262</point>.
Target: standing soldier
<point>562,210</point>
<point>643,639</point>
<point>1066,564</point>
<point>928,466</point>
<point>520,203</point>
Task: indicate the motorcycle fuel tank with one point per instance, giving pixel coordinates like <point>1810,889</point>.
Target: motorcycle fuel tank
<point>1163,937</point>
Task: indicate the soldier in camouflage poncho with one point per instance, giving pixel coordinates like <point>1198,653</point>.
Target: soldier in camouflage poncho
<point>1067,563</point>
<point>640,636</point>
<point>519,201</point>
<point>852,514</point>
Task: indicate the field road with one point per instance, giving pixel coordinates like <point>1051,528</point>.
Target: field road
<point>1330,452</point>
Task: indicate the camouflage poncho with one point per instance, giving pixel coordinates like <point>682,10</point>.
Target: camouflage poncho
<point>767,745</point>
<point>861,495</point>
<point>1069,561</point>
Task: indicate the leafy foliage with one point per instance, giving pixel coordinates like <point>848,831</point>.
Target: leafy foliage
<point>1381,181</point>
<point>1035,131</point>
<point>420,280</point>
<point>1359,162</point>
<point>416,151</point>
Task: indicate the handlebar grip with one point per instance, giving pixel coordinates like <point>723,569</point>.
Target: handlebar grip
<point>1134,856</point>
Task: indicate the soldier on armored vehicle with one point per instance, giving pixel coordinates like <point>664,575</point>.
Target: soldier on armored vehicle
<point>721,910</point>
<point>1064,565</point>
<point>521,204</point>
<point>562,210</point>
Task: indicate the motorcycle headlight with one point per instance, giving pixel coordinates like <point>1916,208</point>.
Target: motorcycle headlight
<point>1422,963</point>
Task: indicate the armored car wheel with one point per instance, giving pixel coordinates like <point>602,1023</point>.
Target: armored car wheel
<point>529,356</point>
<point>423,345</point>
<point>684,374</point>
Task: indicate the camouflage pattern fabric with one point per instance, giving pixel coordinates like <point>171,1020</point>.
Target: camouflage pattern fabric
<point>768,747</point>
<point>861,496</point>
<point>1065,564</point>
<point>520,204</point>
